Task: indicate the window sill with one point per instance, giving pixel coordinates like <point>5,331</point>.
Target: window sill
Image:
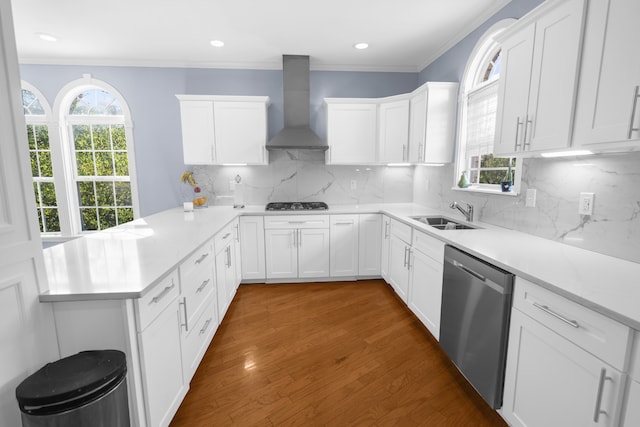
<point>477,189</point>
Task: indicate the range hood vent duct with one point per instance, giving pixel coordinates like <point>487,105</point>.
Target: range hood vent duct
<point>297,133</point>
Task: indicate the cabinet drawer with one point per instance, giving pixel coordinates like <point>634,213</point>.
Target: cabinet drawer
<point>430,246</point>
<point>296,221</point>
<point>222,239</point>
<point>200,256</point>
<point>153,302</point>
<point>401,230</point>
<point>197,339</point>
<point>598,334</point>
<point>196,288</point>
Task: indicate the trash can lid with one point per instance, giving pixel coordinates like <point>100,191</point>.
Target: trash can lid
<point>72,379</point>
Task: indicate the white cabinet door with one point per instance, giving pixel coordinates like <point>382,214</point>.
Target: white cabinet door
<point>281,253</point>
<point>198,135</point>
<point>425,295</point>
<point>386,245</point>
<point>551,381</point>
<point>252,248</point>
<point>351,132</point>
<point>162,366</point>
<point>417,126</point>
<point>442,102</point>
<point>609,75</point>
<point>399,253</point>
<point>237,254</point>
<point>313,252</point>
<point>344,245</point>
<point>224,280</point>
<point>241,132</point>
<point>632,412</point>
<point>394,131</point>
<point>370,244</point>
<point>538,80</point>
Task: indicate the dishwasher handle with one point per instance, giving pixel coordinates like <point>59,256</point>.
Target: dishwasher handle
<point>468,270</point>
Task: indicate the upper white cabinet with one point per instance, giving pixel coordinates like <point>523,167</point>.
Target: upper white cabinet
<point>607,113</point>
<point>432,114</point>
<point>394,130</point>
<point>539,78</point>
<point>351,131</point>
<point>224,129</point>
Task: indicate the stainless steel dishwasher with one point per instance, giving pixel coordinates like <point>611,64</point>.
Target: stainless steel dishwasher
<point>474,322</point>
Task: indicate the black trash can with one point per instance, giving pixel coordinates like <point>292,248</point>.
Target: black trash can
<point>86,389</point>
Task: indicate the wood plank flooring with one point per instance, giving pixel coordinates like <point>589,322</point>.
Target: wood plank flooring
<point>327,354</point>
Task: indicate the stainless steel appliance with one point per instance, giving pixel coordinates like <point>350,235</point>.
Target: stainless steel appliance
<point>474,322</point>
<point>296,206</point>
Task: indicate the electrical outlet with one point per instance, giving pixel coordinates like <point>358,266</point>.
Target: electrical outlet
<point>354,184</point>
<point>585,205</point>
<point>530,199</point>
<point>232,185</point>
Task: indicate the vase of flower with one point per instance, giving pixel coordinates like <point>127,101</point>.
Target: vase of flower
<point>507,181</point>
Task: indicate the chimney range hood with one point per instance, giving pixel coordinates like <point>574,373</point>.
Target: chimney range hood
<point>297,133</point>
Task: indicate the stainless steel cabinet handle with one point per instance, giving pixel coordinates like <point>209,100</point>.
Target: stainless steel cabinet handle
<point>226,236</point>
<point>386,229</point>
<point>228,256</point>
<point>636,94</point>
<point>518,124</point>
<point>202,258</point>
<point>202,286</point>
<point>404,152</point>
<point>343,223</point>
<point>410,251</point>
<point>299,238</point>
<point>161,295</point>
<point>547,310</point>
<point>297,222</point>
<point>186,322</point>
<point>405,256</point>
<point>526,142</point>
<point>205,326</point>
<point>598,409</point>
<point>237,227</point>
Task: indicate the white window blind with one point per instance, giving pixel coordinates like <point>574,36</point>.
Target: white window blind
<point>481,120</point>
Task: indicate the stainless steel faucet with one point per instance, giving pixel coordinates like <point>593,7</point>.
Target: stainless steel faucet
<point>468,213</point>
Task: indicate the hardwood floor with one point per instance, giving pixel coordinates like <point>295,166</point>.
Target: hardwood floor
<point>327,354</point>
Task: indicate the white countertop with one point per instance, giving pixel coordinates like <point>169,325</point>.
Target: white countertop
<point>125,262</point>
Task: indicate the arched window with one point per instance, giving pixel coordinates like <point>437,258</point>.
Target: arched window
<point>37,117</point>
<point>478,107</point>
<point>97,147</point>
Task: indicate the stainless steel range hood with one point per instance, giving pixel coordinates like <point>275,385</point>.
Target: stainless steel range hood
<point>297,133</point>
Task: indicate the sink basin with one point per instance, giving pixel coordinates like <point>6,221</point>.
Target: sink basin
<point>443,223</point>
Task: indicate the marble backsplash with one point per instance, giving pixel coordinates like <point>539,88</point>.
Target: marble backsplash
<point>302,175</point>
<point>613,229</point>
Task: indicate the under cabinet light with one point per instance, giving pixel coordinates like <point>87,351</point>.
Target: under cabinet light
<point>234,164</point>
<point>398,164</point>
<point>567,153</point>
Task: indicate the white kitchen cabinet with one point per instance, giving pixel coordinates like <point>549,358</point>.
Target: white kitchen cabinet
<point>538,80</point>
<point>607,112</point>
<point>252,248</point>
<point>224,129</point>
<point>385,239</point>
<point>400,258</point>
<point>225,268</point>
<point>425,289</point>
<point>631,413</point>
<point>432,110</point>
<point>297,246</point>
<point>564,362</point>
<point>369,244</point>
<point>351,131</point>
<point>393,139</point>
<point>344,245</point>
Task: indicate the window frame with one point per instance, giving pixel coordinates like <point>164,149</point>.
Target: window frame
<point>65,156</point>
<point>483,52</point>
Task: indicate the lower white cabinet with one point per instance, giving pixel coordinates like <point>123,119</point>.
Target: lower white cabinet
<point>252,248</point>
<point>297,246</point>
<point>227,278</point>
<point>632,412</point>
<point>385,247</point>
<point>197,335</point>
<point>369,246</point>
<point>344,245</point>
<point>161,358</point>
<point>400,258</point>
<point>552,375</point>
<point>425,290</point>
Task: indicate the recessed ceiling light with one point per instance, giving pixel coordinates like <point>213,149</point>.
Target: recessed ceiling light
<point>217,43</point>
<point>361,46</point>
<point>47,37</point>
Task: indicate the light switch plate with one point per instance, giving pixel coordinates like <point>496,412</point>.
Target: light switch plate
<point>530,199</point>
<point>354,184</point>
<point>585,205</point>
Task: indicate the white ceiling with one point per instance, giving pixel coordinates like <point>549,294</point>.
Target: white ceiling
<point>404,35</point>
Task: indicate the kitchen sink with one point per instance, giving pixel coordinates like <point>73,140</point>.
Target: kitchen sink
<point>443,223</point>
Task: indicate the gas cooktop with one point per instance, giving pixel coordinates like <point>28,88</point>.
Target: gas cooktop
<point>296,206</point>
